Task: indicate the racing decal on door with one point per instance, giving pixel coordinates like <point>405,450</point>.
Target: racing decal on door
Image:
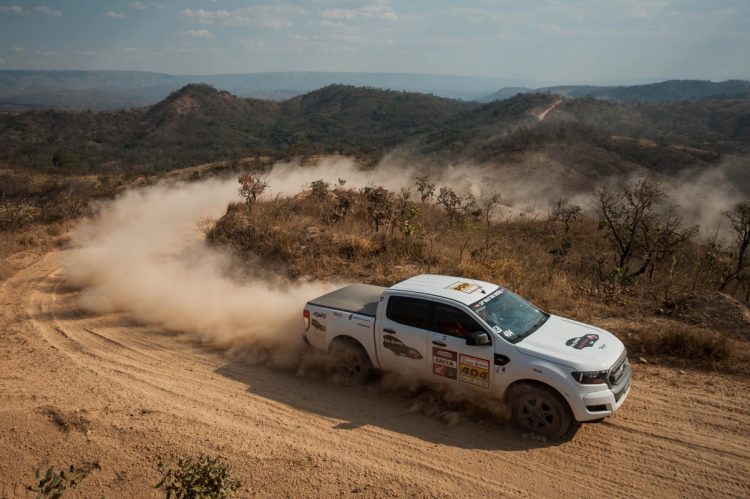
<point>582,342</point>
<point>399,348</point>
<point>474,370</point>
<point>444,363</point>
<point>464,287</point>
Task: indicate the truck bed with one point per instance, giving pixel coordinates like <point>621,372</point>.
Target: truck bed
<point>356,299</point>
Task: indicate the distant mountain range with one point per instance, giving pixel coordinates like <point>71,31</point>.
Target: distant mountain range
<point>665,91</point>
<point>102,90</point>
<point>579,139</point>
<point>22,90</point>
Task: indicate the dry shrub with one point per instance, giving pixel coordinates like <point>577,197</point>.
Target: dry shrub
<point>683,342</point>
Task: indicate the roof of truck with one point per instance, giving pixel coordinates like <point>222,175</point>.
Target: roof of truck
<point>460,289</point>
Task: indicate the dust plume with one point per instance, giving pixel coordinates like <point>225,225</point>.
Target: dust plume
<point>144,254</point>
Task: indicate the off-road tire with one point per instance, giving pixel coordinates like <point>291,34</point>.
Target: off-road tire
<point>543,412</point>
<point>351,363</point>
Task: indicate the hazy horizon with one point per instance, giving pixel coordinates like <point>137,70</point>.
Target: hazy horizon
<point>546,42</point>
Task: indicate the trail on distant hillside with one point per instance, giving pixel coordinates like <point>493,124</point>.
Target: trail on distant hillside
<point>549,109</point>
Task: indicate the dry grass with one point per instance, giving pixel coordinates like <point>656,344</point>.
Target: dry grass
<point>291,235</point>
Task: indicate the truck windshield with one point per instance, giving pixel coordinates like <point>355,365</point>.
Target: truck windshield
<point>509,315</point>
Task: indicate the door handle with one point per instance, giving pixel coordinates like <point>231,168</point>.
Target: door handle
<point>389,330</point>
<point>438,343</point>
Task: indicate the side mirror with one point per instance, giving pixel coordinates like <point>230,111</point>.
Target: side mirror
<point>478,338</point>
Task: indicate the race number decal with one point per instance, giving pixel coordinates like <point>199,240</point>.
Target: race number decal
<point>463,287</point>
<point>474,370</point>
<point>444,363</point>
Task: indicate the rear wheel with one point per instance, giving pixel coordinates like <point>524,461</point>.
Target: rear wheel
<point>542,411</point>
<point>350,362</point>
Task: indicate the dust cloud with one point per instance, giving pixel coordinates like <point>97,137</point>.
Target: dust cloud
<point>144,254</point>
<point>530,188</point>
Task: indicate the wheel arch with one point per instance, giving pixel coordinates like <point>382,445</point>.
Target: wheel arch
<point>535,383</point>
<point>346,339</point>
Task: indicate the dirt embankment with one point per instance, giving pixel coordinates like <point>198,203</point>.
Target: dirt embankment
<point>110,394</point>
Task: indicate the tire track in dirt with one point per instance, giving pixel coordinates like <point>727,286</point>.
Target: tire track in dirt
<point>151,392</point>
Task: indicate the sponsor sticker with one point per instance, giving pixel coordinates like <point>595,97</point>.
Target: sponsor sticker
<point>399,348</point>
<point>474,370</point>
<point>581,342</point>
<point>444,363</point>
<point>487,299</point>
<point>319,315</point>
<point>463,287</point>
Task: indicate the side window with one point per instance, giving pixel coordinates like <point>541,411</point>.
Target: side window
<point>409,311</point>
<point>454,322</point>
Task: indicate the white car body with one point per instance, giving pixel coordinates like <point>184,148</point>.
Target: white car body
<point>549,355</point>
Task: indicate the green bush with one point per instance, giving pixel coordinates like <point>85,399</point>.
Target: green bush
<point>198,478</point>
<point>53,484</point>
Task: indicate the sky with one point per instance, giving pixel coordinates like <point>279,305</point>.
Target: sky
<point>543,40</point>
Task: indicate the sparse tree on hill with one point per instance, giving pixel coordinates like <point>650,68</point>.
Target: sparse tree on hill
<point>319,190</point>
<point>561,216</point>
<point>379,208</point>
<point>642,231</point>
<point>450,202</point>
<point>488,206</point>
<point>425,188</point>
<point>251,187</point>
<point>739,218</point>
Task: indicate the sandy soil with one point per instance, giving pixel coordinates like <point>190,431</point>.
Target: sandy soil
<point>76,388</point>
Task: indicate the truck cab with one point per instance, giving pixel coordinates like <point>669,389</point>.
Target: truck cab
<point>466,334</point>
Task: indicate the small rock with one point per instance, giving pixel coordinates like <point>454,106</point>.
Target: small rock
<point>642,360</point>
<point>682,371</point>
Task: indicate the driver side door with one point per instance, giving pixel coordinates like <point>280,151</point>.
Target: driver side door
<point>452,361</point>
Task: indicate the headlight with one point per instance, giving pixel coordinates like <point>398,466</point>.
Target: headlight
<point>591,378</point>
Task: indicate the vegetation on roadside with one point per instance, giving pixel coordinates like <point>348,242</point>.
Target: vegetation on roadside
<point>626,260</point>
<point>54,484</point>
<point>202,477</point>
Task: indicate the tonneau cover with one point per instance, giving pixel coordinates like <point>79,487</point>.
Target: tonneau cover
<point>356,298</point>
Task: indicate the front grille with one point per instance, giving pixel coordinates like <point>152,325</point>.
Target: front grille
<point>619,377</point>
<point>618,371</point>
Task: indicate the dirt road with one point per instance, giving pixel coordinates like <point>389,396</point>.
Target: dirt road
<point>81,388</point>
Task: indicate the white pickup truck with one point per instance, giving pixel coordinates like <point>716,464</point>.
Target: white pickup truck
<point>463,333</point>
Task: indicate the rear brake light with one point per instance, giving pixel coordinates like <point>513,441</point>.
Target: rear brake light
<point>306,319</point>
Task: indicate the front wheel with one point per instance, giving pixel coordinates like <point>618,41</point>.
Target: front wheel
<point>542,411</point>
<point>350,362</point>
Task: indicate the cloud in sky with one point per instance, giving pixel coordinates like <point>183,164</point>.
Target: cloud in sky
<point>378,10</point>
<point>198,33</point>
<point>48,11</point>
<point>12,9</point>
<point>272,16</point>
<point>543,40</point>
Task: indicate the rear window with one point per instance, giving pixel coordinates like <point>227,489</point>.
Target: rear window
<point>409,311</point>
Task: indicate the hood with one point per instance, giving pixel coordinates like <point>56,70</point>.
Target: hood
<point>574,344</point>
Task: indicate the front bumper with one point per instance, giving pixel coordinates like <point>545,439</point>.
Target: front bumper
<point>602,403</point>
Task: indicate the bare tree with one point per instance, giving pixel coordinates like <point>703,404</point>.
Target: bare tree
<point>561,216</point>
<point>739,217</point>
<point>251,187</point>
<point>639,227</point>
<point>488,206</point>
<point>450,201</point>
<point>379,206</point>
<point>319,190</point>
<point>343,202</point>
<point>425,188</point>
